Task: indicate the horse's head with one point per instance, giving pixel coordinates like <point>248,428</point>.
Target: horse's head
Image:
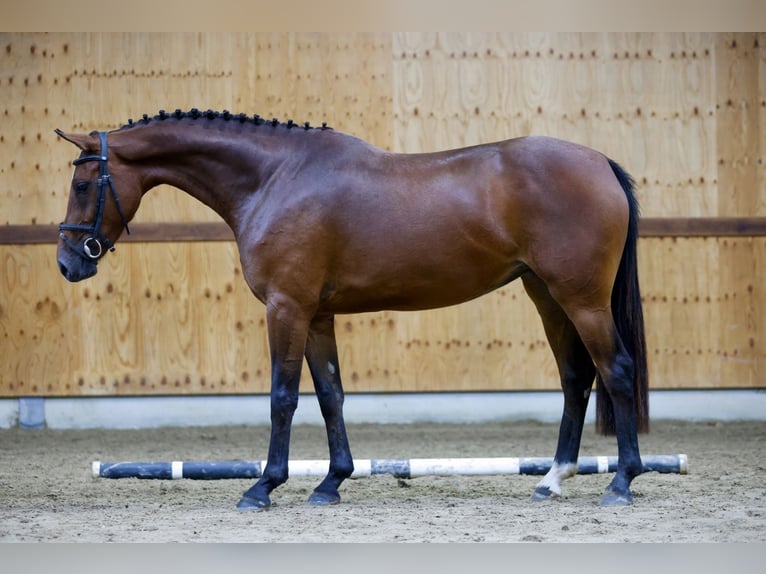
<point>103,197</point>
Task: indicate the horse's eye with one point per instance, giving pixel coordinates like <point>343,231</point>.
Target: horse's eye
<point>82,186</point>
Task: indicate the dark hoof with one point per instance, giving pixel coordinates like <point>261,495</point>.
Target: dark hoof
<point>543,493</point>
<point>614,498</point>
<point>323,499</point>
<point>248,503</point>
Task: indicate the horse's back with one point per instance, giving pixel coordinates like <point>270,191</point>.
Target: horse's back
<point>412,231</point>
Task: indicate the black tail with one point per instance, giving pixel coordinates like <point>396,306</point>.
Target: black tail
<point>629,318</point>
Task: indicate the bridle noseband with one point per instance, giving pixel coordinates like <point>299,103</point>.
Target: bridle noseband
<point>92,246</point>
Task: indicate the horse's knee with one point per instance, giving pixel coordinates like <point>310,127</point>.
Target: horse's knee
<point>284,401</point>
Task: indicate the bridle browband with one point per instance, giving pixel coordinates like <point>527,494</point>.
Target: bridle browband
<point>92,246</point>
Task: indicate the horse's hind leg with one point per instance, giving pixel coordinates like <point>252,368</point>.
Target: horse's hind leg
<point>615,367</point>
<point>577,373</point>
<point>322,358</point>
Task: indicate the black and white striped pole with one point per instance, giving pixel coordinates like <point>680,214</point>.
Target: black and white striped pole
<point>399,468</point>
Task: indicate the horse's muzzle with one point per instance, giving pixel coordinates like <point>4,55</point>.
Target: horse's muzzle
<point>75,268</point>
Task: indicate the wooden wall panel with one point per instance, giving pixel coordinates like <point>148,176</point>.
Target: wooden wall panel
<point>647,100</point>
<point>704,311</point>
<point>738,134</point>
<point>178,318</point>
<point>39,333</point>
<point>761,184</point>
<point>493,343</point>
<point>685,113</point>
<point>82,82</point>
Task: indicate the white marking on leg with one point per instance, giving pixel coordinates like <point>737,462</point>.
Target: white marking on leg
<point>331,368</point>
<point>558,473</point>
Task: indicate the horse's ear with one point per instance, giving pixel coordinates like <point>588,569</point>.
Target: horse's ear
<point>82,141</point>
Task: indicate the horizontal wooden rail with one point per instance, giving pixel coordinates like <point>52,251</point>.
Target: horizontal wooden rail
<point>218,231</point>
<point>702,227</point>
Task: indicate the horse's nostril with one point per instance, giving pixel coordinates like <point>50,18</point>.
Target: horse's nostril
<point>63,269</point>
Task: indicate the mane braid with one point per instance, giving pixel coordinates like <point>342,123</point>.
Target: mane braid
<point>226,116</point>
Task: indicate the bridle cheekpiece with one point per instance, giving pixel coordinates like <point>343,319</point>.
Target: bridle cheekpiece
<point>92,247</point>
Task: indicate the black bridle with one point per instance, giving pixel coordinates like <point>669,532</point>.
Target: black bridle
<point>92,246</point>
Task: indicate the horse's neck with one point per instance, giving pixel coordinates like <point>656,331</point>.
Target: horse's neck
<point>217,167</point>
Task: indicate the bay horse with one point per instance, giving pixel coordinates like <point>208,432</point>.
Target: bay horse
<point>327,223</point>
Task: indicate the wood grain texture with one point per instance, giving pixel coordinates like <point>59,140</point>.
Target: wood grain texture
<point>178,318</point>
<point>738,133</point>
<point>704,320</point>
<point>169,312</point>
<point>86,81</point>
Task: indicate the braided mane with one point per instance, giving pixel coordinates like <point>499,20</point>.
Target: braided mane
<point>226,115</point>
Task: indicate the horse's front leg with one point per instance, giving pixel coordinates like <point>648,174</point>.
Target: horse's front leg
<point>322,358</point>
<point>287,327</point>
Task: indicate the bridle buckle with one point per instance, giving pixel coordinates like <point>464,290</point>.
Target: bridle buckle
<point>90,252</point>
